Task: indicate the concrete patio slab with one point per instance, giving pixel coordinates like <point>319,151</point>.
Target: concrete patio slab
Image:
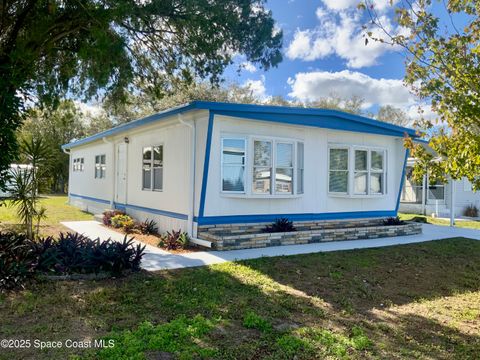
<point>157,259</point>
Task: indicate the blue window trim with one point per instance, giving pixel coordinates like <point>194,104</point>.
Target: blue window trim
<point>90,198</point>
<point>206,164</point>
<point>292,115</point>
<point>402,179</point>
<point>237,219</point>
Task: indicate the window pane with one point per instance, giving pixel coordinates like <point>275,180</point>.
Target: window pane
<point>300,155</point>
<point>234,151</point>
<point>284,155</point>
<point>158,178</point>
<point>361,160</point>
<point>338,159</point>
<point>147,153</point>
<point>103,159</point>
<point>158,155</point>
<point>360,183</point>
<point>97,159</point>
<point>283,181</point>
<point>377,160</point>
<point>261,180</point>
<point>376,183</point>
<point>338,181</point>
<point>262,153</point>
<point>233,178</point>
<point>300,181</point>
<point>147,177</point>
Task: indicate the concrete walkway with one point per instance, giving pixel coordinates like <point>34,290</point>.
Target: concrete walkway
<point>157,259</point>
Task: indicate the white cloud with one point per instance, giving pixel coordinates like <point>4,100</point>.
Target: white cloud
<point>257,87</point>
<point>340,33</point>
<point>310,86</point>
<point>248,66</point>
<point>90,109</point>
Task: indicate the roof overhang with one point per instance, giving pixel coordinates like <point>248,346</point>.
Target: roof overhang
<point>322,118</point>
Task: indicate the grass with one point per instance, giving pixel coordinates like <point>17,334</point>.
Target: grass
<point>58,210</point>
<point>469,224</point>
<point>410,301</point>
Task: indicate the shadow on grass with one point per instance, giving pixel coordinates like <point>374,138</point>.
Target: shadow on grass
<point>305,306</point>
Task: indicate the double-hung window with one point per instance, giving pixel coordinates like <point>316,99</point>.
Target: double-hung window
<point>338,172</point>
<point>364,175</point>
<point>152,168</point>
<point>262,166</point>
<point>360,181</point>
<point>78,164</point>
<point>100,167</point>
<point>233,165</point>
<point>284,168</point>
<point>300,167</point>
<point>377,172</point>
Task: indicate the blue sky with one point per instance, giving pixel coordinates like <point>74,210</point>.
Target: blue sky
<point>325,53</point>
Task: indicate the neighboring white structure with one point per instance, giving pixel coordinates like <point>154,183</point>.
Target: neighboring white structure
<point>215,163</point>
<point>13,167</point>
<point>435,199</point>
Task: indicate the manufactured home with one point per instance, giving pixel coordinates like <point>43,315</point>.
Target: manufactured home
<point>436,199</point>
<point>210,165</point>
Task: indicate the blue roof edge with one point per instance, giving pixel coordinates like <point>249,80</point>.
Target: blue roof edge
<point>219,106</point>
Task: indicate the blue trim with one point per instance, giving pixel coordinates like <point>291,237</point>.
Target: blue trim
<point>90,198</point>
<point>326,121</point>
<point>407,152</point>
<point>240,219</point>
<point>283,114</point>
<point>206,164</point>
<point>151,211</point>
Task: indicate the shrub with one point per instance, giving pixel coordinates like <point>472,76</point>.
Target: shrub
<point>147,227</point>
<point>75,253</point>
<point>123,221</point>
<point>17,261</point>
<point>107,216</point>
<point>393,221</point>
<point>280,225</point>
<point>471,211</point>
<point>174,240</point>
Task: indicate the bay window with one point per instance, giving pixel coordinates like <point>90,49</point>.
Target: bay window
<point>262,167</point>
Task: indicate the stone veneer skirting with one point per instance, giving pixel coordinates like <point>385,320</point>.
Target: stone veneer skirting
<point>244,236</point>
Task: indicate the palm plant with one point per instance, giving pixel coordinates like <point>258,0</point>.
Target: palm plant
<point>23,197</point>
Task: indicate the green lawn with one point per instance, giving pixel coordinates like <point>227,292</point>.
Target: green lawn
<point>469,224</point>
<point>417,301</point>
<point>57,210</point>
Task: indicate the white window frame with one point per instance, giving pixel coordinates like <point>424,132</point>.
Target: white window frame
<point>152,167</point>
<point>367,171</point>
<point>245,157</point>
<point>103,167</point>
<point>351,171</point>
<point>349,160</point>
<point>275,167</point>
<point>249,165</point>
<point>253,166</point>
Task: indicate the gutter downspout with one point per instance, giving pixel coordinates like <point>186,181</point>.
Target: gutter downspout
<point>112,199</point>
<point>69,167</point>
<point>193,155</point>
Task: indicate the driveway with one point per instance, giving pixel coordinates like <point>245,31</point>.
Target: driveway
<point>157,259</point>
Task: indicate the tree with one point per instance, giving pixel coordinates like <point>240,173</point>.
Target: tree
<point>52,48</point>
<point>443,67</point>
<point>351,105</point>
<point>391,114</point>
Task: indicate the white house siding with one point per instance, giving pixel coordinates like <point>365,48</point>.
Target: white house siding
<point>175,197</point>
<point>83,183</point>
<point>315,198</point>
